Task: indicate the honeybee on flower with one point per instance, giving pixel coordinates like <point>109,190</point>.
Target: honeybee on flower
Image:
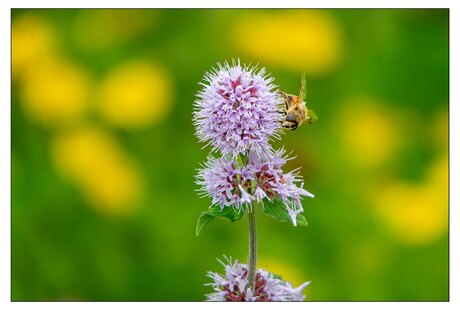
<point>295,108</point>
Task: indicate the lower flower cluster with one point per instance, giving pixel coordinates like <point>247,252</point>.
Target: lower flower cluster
<point>233,184</point>
<point>234,285</point>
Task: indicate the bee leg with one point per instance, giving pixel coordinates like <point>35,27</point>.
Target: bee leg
<point>283,113</point>
<point>286,98</point>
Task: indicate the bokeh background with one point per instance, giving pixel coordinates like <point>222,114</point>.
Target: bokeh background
<point>104,154</point>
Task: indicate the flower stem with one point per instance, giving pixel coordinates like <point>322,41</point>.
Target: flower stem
<point>252,247</point>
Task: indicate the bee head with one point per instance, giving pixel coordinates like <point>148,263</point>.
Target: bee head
<point>290,118</point>
<point>290,122</point>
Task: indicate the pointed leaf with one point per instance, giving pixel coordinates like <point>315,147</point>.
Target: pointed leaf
<point>215,212</point>
<point>203,221</point>
<point>279,212</point>
<point>301,220</point>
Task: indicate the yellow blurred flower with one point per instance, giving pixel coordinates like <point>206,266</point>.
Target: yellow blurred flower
<point>438,178</point>
<point>415,214</point>
<point>92,158</point>
<point>32,40</point>
<point>287,272</point>
<point>439,129</point>
<point>369,132</point>
<point>55,92</point>
<point>102,29</point>
<point>136,94</point>
<point>302,40</point>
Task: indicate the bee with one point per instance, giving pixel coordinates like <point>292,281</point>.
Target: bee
<point>295,110</point>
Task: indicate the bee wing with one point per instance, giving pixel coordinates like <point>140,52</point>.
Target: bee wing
<point>303,88</point>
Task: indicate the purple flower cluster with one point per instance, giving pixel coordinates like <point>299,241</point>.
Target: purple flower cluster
<point>229,183</point>
<point>234,285</point>
<point>237,113</point>
<point>237,110</point>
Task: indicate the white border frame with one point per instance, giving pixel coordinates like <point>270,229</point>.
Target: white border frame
<point>5,134</point>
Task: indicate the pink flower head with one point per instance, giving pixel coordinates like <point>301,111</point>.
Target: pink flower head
<point>237,109</point>
<point>229,183</point>
<point>234,285</point>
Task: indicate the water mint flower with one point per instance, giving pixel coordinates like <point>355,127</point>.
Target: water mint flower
<point>233,184</point>
<point>272,182</point>
<point>237,109</point>
<point>233,285</point>
<point>223,181</point>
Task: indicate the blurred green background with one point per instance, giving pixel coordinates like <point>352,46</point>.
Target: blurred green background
<point>104,155</point>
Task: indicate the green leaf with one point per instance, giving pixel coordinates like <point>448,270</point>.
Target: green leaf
<point>215,212</point>
<point>278,211</point>
<point>301,220</point>
<point>203,221</point>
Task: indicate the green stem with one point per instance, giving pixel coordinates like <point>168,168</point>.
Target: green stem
<point>252,247</point>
